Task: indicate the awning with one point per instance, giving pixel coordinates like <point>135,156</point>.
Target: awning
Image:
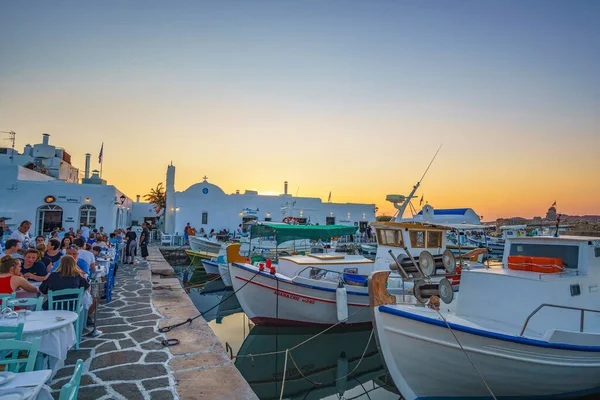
<point>285,232</point>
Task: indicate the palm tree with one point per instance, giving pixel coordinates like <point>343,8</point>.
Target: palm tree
<point>158,198</point>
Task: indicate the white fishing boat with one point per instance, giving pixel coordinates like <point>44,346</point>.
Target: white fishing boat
<point>199,243</point>
<point>331,287</point>
<point>528,329</point>
<point>338,360</point>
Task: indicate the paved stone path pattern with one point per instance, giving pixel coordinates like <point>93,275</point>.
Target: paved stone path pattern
<point>127,361</point>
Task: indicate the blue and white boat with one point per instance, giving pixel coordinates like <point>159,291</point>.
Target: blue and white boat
<point>530,329</point>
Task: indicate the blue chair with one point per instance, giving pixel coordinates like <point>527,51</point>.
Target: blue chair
<point>11,332</point>
<point>34,303</point>
<point>11,349</point>
<point>69,300</point>
<point>70,389</point>
<point>5,296</point>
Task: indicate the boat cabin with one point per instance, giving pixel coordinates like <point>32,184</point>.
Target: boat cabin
<point>412,236</point>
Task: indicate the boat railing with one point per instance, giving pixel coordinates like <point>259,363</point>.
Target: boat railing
<point>581,319</point>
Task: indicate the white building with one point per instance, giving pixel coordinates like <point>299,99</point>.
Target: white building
<point>43,187</point>
<point>205,205</point>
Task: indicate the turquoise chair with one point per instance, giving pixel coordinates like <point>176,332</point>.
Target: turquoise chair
<point>4,296</point>
<point>35,302</point>
<point>70,389</point>
<point>71,303</point>
<point>10,349</point>
<point>11,332</point>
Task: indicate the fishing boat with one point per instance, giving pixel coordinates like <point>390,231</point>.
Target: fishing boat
<point>338,360</point>
<point>530,329</point>
<point>328,288</point>
<point>202,244</point>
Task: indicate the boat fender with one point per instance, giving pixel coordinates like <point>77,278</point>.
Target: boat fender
<point>341,373</point>
<point>341,297</point>
<point>261,266</point>
<point>270,266</point>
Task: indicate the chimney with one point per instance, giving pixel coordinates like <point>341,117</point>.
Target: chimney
<point>45,138</point>
<point>87,166</point>
<point>285,184</point>
<point>137,198</point>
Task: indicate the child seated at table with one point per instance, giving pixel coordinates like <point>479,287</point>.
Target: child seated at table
<point>10,276</point>
<point>67,276</point>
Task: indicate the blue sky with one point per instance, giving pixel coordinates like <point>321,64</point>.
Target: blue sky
<point>517,78</point>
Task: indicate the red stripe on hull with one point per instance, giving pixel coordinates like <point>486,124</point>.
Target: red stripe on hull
<point>297,294</point>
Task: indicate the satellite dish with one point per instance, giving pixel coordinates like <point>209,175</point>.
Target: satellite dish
<point>427,263</point>
<point>446,291</point>
<point>449,261</point>
<point>395,198</point>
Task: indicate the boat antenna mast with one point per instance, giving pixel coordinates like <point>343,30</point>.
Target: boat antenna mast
<point>401,202</point>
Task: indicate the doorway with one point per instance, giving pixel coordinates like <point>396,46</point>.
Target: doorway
<point>49,217</point>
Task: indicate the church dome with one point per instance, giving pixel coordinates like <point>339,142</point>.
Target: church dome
<point>204,188</point>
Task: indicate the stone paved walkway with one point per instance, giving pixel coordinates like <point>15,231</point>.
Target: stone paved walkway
<point>127,361</point>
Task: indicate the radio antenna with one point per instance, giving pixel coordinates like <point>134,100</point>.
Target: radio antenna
<point>12,136</point>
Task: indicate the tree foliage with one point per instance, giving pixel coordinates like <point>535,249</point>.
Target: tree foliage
<point>158,198</point>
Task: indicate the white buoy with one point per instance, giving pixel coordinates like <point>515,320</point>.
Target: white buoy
<point>341,298</point>
<point>341,374</point>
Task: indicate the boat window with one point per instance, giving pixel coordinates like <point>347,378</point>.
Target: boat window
<point>390,237</point>
<point>417,238</point>
<point>434,239</point>
<point>568,253</point>
<point>204,218</point>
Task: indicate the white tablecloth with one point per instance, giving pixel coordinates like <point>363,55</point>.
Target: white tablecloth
<point>56,337</point>
<point>35,380</point>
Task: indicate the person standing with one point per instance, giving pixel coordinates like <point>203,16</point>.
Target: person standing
<point>85,232</point>
<point>144,239</point>
<point>186,233</point>
<point>131,246</point>
<point>22,235</point>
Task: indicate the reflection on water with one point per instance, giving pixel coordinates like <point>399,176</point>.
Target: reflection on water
<point>327,367</point>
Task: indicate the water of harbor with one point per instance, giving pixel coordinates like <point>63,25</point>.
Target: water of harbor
<point>321,364</point>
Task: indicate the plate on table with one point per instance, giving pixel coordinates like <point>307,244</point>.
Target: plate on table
<point>15,394</point>
<point>6,376</point>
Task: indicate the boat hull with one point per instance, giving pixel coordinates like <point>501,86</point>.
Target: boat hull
<point>225,276</point>
<point>203,244</point>
<point>211,267</point>
<point>412,349</point>
<point>270,300</point>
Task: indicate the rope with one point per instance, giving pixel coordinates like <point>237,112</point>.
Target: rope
<point>168,328</point>
<point>270,353</point>
<point>287,352</point>
<point>467,354</point>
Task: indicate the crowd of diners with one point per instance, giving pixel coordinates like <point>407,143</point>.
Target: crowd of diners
<point>63,260</point>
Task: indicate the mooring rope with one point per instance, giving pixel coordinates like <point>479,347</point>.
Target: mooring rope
<point>467,354</point>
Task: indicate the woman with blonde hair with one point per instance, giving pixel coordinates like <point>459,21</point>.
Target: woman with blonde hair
<point>10,276</point>
<point>66,276</point>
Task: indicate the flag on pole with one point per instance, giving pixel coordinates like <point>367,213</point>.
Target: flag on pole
<point>329,198</point>
<point>421,201</point>
<point>100,155</point>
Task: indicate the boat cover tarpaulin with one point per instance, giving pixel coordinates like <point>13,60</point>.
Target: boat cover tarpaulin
<point>285,232</point>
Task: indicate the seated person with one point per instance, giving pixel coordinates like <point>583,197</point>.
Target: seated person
<point>10,276</point>
<point>66,276</point>
<point>73,251</point>
<point>88,256</point>
<point>92,238</point>
<point>33,269</point>
<point>41,248</point>
<point>53,251</point>
<point>113,239</point>
<point>100,241</point>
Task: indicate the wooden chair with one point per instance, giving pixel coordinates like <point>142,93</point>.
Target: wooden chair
<point>11,332</point>
<point>72,302</point>
<point>6,296</point>
<point>33,302</point>
<point>70,389</point>
<point>11,349</point>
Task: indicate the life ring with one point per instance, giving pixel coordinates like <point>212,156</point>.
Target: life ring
<point>290,220</point>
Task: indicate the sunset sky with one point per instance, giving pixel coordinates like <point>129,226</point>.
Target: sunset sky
<point>352,97</point>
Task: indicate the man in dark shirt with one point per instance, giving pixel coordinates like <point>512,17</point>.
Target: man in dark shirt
<point>33,269</point>
<point>144,240</point>
<point>131,246</point>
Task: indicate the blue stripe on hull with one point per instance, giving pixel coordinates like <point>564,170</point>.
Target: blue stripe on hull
<point>492,335</point>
